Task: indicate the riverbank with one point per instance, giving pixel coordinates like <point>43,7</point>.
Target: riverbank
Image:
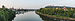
<point>6,14</point>
<point>51,16</point>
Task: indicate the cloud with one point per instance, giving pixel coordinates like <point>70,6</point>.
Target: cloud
<point>35,3</point>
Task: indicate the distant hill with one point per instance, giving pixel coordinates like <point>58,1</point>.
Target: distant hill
<point>58,7</point>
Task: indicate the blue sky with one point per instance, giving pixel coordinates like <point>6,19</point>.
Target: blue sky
<point>35,3</point>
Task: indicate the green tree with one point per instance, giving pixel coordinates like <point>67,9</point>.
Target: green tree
<point>3,6</point>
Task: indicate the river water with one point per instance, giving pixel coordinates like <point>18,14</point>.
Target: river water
<point>32,16</point>
<point>27,16</point>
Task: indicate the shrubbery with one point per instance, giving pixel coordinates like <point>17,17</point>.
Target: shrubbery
<point>6,14</point>
<point>60,12</point>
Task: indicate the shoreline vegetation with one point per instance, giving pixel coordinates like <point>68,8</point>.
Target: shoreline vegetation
<point>53,16</point>
<point>57,12</point>
<point>6,14</point>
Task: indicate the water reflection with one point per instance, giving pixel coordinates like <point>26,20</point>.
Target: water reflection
<point>27,16</point>
<point>22,16</point>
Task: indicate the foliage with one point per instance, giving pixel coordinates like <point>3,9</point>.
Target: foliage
<point>6,14</point>
<point>59,11</point>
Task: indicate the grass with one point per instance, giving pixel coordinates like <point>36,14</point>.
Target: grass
<point>60,16</point>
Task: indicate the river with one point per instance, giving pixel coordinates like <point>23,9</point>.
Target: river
<point>27,16</point>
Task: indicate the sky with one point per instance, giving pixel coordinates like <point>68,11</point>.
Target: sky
<point>35,4</point>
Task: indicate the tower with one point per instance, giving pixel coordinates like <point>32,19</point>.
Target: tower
<point>64,8</point>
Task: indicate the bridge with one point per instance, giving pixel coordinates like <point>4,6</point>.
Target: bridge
<point>26,9</point>
<point>23,10</point>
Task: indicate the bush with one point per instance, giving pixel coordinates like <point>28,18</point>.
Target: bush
<point>54,11</point>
